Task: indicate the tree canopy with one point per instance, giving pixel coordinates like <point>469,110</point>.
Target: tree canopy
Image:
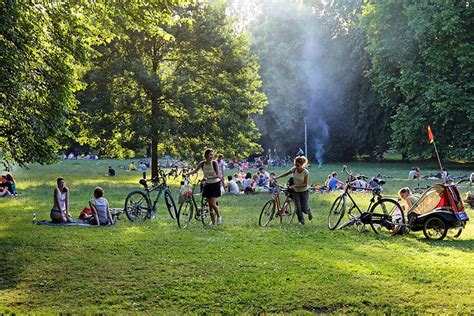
<point>194,87</point>
<point>176,76</point>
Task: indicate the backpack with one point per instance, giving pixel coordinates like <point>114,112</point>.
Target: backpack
<point>86,213</point>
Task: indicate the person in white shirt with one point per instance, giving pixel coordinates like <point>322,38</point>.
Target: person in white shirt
<point>265,173</point>
<point>143,166</point>
<point>412,174</point>
<point>60,211</point>
<point>231,186</point>
<point>360,185</point>
<point>101,215</point>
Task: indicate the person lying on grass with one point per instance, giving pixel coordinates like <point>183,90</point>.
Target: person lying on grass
<point>60,211</point>
<point>101,215</point>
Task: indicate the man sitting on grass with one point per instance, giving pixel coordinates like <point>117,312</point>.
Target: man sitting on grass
<point>231,186</point>
<point>334,183</point>
<point>111,172</point>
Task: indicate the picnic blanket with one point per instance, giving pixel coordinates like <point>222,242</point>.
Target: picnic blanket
<point>78,223</point>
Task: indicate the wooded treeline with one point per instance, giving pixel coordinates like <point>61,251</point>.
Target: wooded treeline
<point>180,75</point>
<point>369,76</point>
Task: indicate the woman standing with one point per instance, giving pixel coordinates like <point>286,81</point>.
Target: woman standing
<point>212,187</point>
<point>60,211</point>
<point>300,187</point>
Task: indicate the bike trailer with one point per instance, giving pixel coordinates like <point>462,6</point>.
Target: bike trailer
<point>442,201</point>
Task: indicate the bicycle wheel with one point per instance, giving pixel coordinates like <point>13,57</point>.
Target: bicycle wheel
<point>205,215</point>
<point>170,205</point>
<point>185,213</point>
<point>137,206</point>
<point>267,213</point>
<point>435,229</point>
<point>336,213</point>
<point>288,213</point>
<point>386,216</point>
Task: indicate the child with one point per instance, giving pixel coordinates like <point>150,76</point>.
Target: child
<point>101,215</point>
<point>407,195</point>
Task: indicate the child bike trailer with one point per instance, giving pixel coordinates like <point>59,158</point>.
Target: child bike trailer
<point>438,210</point>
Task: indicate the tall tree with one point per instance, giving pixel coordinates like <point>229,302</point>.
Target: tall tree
<point>36,80</point>
<point>422,66</point>
<point>193,85</point>
<point>44,46</point>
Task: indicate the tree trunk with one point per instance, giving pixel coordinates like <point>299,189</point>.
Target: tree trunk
<point>154,137</point>
<point>155,112</point>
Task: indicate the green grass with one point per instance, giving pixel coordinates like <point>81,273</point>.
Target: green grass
<point>155,267</point>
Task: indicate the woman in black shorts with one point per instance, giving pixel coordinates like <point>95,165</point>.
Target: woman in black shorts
<point>212,187</point>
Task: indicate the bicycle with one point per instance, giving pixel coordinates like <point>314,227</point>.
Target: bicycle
<point>180,171</point>
<point>382,214</point>
<point>188,206</point>
<point>274,208</point>
<point>138,204</point>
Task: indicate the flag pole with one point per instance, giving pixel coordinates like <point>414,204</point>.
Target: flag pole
<point>432,140</point>
<point>439,160</point>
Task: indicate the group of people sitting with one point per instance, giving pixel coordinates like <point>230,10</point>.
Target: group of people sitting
<point>99,206</point>
<point>142,165</point>
<point>7,185</point>
<point>86,156</point>
<point>333,183</point>
<point>415,174</point>
<point>264,182</point>
<point>246,183</point>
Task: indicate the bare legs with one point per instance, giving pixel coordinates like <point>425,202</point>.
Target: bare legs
<point>213,209</point>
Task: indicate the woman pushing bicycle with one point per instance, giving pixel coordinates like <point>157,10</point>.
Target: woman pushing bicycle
<point>212,186</point>
<point>300,187</point>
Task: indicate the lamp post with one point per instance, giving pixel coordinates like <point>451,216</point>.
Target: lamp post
<point>305,139</point>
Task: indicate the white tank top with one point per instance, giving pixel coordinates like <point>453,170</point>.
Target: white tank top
<point>209,171</point>
<point>101,205</point>
<point>62,202</point>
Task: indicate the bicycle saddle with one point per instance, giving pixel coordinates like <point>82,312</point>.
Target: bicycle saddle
<point>382,182</point>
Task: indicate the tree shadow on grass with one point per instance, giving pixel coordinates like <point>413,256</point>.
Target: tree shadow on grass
<point>10,267</point>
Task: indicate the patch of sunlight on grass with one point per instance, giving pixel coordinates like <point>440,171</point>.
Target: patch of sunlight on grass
<point>134,230</point>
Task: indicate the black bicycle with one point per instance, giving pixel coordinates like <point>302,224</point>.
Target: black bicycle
<point>383,214</point>
<point>139,205</point>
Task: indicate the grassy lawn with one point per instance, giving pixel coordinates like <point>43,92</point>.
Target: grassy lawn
<point>155,267</point>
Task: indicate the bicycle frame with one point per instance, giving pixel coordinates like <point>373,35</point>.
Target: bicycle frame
<point>277,199</point>
<point>193,199</point>
<point>163,186</point>
<point>375,194</point>
<point>158,184</point>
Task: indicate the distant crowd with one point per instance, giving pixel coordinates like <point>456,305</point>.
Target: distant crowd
<point>85,156</point>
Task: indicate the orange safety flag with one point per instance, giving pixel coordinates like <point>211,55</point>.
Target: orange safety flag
<point>430,135</point>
